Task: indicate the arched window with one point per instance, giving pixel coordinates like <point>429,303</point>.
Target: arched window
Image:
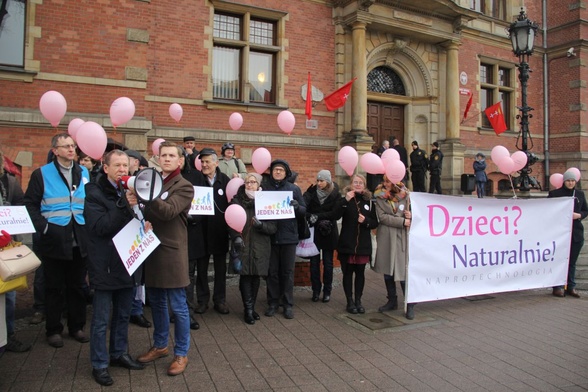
<point>385,80</point>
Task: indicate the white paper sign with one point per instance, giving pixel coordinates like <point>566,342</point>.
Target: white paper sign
<point>134,244</point>
<point>203,202</point>
<point>467,246</point>
<point>16,220</point>
<point>273,205</point>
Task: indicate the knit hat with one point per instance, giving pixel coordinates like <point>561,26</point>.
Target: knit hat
<point>569,176</point>
<point>436,144</point>
<point>324,175</point>
<point>257,177</point>
<point>415,143</point>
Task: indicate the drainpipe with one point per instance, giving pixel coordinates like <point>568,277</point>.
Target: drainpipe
<point>545,99</point>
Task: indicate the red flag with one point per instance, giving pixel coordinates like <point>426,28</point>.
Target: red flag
<point>496,118</point>
<point>308,110</point>
<point>338,98</point>
<point>468,105</point>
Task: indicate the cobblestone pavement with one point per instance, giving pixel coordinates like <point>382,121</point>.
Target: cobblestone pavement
<point>520,341</point>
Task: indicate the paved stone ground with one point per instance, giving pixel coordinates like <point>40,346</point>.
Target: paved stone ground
<point>520,341</point>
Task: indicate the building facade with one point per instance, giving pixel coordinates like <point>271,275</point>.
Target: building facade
<point>216,57</point>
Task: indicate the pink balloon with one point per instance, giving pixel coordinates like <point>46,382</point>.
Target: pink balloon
<point>261,160</point>
<point>198,163</point>
<point>236,217</point>
<point>556,179</point>
<point>348,159</point>
<point>233,187</point>
<point>520,160</point>
<point>390,154</point>
<point>155,146</point>
<point>235,121</point>
<point>122,111</point>
<point>497,152</point>
<point>53,107</point>
<point>91,139</point>
<point>286,121</point>
<point>576,172</point>
<point>176,111</point>
<point>371,163</point>
<point>395,171</point>
<point>73,127</point>
<point>506,165</point>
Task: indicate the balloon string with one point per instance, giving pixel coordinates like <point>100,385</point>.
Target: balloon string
<point>512,187</point>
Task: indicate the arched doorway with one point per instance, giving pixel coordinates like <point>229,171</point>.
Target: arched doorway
<point>385,120</point>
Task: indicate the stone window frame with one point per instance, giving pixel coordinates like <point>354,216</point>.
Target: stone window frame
<point>495,88</point>
<point>497,9</point>
<point>248,13</point>
<point>31,67</point>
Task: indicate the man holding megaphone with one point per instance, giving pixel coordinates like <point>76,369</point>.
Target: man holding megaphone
<point>166,269</point>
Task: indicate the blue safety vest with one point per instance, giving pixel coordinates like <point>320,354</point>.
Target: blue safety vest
<point>59,203</point>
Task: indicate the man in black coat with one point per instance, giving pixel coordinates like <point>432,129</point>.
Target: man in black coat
<point>418,167</point>
<point>403,156</point>
<point>106,214</point>
<point>215,238</point>
<point>580,212</point>
<point>55,202</point>
<point>280,280</point>
<point>435,166</point>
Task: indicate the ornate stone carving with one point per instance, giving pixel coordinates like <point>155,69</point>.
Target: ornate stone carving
<point>459,23</point>
<point>365,5</point>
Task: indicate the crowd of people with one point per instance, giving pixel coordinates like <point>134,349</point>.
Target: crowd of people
<point>77,206</point>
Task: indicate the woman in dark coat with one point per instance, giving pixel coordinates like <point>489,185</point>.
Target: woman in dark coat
<point>321,212</point>
<point>252,246</point>
<point>568,189</point>
<point>355,241</point>
<point>480,173</point>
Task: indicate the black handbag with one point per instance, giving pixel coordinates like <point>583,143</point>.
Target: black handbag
<point>303,229</point>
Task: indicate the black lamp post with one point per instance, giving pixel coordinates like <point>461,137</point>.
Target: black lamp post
<point>522,34</point>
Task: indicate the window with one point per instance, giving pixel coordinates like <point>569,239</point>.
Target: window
<point>244,58</point>
<point>12,32</point>
<point>493,8</point>
<point>496,85</point>
<point>385,80</point>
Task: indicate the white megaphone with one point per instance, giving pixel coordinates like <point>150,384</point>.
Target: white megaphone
<point>147,184</point>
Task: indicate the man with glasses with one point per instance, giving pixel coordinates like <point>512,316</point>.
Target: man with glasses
<point>55,201</point>
<point>280,279</point>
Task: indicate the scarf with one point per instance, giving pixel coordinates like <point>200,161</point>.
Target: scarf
<point>250,194</point>
<point>322,194</point>
<point>171,175</point>
<point>391,198</point>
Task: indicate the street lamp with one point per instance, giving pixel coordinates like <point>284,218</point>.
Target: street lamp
<point>522,35</point>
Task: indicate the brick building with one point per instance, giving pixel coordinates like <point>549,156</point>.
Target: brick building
<point>216,57</point>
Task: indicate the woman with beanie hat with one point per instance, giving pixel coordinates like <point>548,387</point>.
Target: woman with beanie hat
<point>568,189</point>
<point>321,199</point>
<point>252,246</point>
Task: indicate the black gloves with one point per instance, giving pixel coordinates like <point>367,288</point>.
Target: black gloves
<point>295,204</point>
<point>256,223</point>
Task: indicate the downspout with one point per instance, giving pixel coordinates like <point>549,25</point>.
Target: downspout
<point>545,99</point>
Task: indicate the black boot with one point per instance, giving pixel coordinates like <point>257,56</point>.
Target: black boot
<point>351,306</point>
<point>410,311</point>
<point>246,295</point>
<point>359,306</point>
<point>256,281</point>
<point>392,303</point>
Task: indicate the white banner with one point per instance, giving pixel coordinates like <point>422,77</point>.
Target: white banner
<point>203,201</point>
<point>134,244</point>
<point>16,220</point>
<point>468,246</point>
<point>273,205</point>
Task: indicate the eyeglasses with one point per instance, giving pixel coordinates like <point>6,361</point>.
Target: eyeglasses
<point>357,182</point>
<point>68,146</point>
<point>250,182</point>
<point>278,169</point>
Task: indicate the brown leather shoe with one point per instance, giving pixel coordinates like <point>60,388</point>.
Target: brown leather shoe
<point>557,292</point>
<point>153,354</point>
<point>573,293</point>
<point>177,366</point>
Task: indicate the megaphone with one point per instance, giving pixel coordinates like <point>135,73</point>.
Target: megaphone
<point>147,184</point>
